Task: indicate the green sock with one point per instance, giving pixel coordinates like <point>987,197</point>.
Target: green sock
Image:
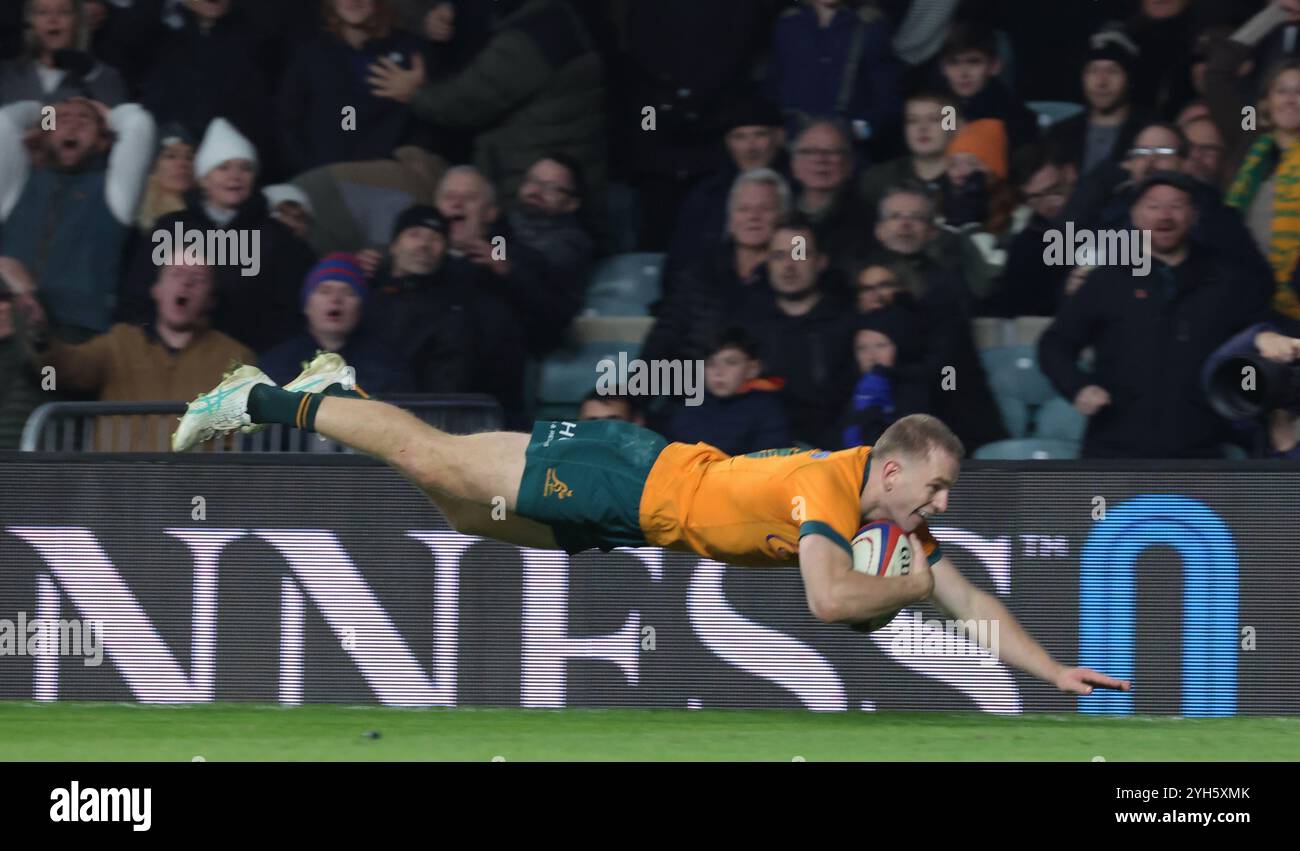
<point>271,405</point>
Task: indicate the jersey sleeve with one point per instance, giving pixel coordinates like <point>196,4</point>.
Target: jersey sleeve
<point>821,505</point>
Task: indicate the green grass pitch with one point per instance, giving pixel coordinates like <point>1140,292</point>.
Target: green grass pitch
<point>228,732</point>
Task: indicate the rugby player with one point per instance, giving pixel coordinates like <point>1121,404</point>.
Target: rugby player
<point>601,484</point>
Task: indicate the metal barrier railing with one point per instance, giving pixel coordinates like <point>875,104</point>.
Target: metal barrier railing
<point>148,426</point>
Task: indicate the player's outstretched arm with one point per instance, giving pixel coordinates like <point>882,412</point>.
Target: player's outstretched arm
<point>837,594</point>
<point>955,595</point>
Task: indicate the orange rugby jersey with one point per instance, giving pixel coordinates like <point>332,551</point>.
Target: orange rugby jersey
<point>753,509</point>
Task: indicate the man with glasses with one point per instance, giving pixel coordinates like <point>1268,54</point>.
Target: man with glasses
<point>822,163</point>
<point>544,302</point>
<point>1205,150</point>
<point>546,216</point>
<point>926,263</point>
<point>1104,198</point>
<point>1029,286</point>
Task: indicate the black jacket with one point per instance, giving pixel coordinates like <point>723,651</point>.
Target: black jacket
<point>705,297</point>
<point>1069,137</point>
<point>1103,200</point>
<point>813,354</point>
<point>201,75</point>
<point>943,311</point>
<point>1029,286</point>
<point>455,328</point>
<point>1151,339</point>
<point>747,422</point>
<point>326,76</point>
<point>259,310</point>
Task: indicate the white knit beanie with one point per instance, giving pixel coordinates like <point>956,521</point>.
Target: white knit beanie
<point>281,192</point>
<point>222,143</point>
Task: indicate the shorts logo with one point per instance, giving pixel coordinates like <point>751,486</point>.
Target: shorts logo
<point>566,431</point>
<point>554,486</point>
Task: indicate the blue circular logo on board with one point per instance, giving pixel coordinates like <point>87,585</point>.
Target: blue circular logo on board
<point>820,454</point>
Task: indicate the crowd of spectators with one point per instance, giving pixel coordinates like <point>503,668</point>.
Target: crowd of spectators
<point>838,187</point>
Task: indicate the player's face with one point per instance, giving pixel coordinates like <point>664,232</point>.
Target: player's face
<point>917,488</point>
<point>333,308</point>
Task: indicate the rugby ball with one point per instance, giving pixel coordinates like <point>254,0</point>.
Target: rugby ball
<point>881,548</point>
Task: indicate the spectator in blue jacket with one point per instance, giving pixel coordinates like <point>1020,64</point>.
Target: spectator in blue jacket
<point>333,297</point>
<point>831,60</point>
<point>891,382</point>
<point>740,411</point>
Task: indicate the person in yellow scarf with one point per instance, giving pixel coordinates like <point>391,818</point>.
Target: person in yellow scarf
<point>1273,161</point>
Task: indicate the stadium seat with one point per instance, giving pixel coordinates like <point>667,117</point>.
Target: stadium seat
<point>1015,415</point>
<point>1027,329</point>
<point>1027,449</point>
<point>625,285</point>
<point>571,373</point>
<point>989,332</point>
<point>995,358</point>
<point>1058,420</point>
<point>1052,112</point>
<point>1020,378</point>
<point>624,331</point>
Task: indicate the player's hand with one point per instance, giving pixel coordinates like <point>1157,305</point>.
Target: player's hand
<point>1275,346</point>
<point>440,23</point>
<point>920,575</point>
<point>1091,399</point>
<point>1084,680</point>
<point>389,80</point>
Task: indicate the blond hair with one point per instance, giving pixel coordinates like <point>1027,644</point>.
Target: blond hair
<point>916,436</point>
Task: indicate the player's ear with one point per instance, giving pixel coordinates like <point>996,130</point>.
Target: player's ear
<point>753,369</point>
